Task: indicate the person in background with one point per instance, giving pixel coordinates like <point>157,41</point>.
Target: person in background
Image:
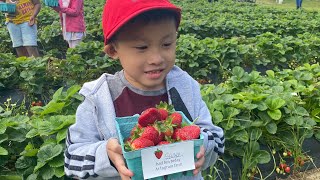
<point>72,21</point>
<point>142,35</point>
<point>22,27</point>
<point>299,4</point>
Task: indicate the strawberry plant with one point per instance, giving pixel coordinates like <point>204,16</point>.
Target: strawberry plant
<point>249,102</point>
<point>32,143</point>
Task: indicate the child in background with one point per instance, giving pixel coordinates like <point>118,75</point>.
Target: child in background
<point>142,35</point>
<point>72,21</point>
<point>22,27</point>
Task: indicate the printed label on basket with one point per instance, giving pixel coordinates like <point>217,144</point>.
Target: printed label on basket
<point>167,159</point>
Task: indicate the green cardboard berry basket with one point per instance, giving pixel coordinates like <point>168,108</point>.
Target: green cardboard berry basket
<point>51,3</point>
<point>133,158</point>
<point>7,7</point>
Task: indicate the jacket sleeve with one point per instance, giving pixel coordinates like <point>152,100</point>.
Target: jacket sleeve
<point>86,154</point>
<point>74,8</point>
<point>213,140</point>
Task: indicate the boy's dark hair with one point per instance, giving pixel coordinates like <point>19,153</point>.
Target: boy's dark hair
<point>147,17</point>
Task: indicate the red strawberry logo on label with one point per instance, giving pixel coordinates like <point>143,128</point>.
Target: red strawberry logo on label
<point>158,153</point>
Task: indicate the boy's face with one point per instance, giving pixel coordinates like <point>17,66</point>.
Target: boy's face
<point>147,52</point>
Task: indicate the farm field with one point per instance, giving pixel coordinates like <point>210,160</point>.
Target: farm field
<point>257,63</point>
<point>309,5</point>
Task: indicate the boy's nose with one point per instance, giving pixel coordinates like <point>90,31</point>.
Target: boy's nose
<point>156,58</point>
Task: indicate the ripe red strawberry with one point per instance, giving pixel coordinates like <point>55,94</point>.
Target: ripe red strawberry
<point>140,143</point>
<point>164,110</point>
<point>158,153</point>
<point>151,133</point>
<point>176,119</point>
<point>175,134</point>
<point>149,116</point>
<point>163,142</point>
<point>188,132</point>
<point>287,169</point>
<point>163,114</point>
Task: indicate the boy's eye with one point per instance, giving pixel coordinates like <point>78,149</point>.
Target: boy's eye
<point>167,44</point>
<point>141,47</point>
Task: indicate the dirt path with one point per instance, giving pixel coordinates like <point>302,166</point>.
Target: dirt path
<point>313,174</point>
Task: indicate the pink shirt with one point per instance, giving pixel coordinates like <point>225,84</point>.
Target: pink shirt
<point>74,16</point>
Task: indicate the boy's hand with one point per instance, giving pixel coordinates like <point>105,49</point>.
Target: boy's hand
<point>200,161</point>
<point>115,155</point>
<point>31,21</point>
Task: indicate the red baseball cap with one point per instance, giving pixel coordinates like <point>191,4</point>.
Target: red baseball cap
<point>118,12</point>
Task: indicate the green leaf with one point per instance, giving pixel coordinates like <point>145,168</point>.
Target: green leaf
<point>275,114</point>
<point>230,124</point>
<point>72,90</point>
<point>317,135</point>
<point>301,111</point>
<point>3,127</point>
<point>18,135</point>
<point>3,151</point>
<point>24,162</point>
<point>217,117</point>
<point>262,106</point>
<point>290,120</point>
<point>48,152</point>
<point>59,172</point>
<point>230,112</point>
<point>255,134</point>
<point>270,73</point>
<point>32,177</point>
<point>218,104</point>
<point>57,161</point>
<point>61,135</point>
<point>57,94</point>
<point>3,137</point>
<point>238,71</point>
<point>29,150</point>
<point>257,123</point>
<point>52,107</point>
<point>242,136</point>
<point>262,156</point>
<point>32,133</point>
<point>39,165</point>
<point>274,103</point>
<point>47,173</point>
<point>272,128</point>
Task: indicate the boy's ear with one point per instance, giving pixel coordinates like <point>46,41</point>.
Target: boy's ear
<point>110,49</point>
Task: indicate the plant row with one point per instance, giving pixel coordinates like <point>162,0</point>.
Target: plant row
<point>279,110</point>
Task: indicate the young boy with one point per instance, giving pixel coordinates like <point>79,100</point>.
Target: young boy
<point>22,26</point>
<point>142,35</point>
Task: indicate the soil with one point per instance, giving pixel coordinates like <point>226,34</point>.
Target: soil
<point>313,174</point>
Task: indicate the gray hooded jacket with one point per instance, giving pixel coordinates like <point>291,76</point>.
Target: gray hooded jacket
<point>86,156</point>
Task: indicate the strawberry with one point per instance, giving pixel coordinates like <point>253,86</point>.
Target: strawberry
<point>163,114</point>
<point>188,133</point>
<point>149,116</point>
<point>164,127</point>
<point>164,109</point>
<point>140,143</point>
<point>176,119</point>
<point>287,169</point>
<point>158,153</point>
<point>163,142</point>
<point>175,134</point>
<point>136,130</point>
<point>151,133</point>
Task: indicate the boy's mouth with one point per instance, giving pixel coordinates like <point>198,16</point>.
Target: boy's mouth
<point>154,74</point>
